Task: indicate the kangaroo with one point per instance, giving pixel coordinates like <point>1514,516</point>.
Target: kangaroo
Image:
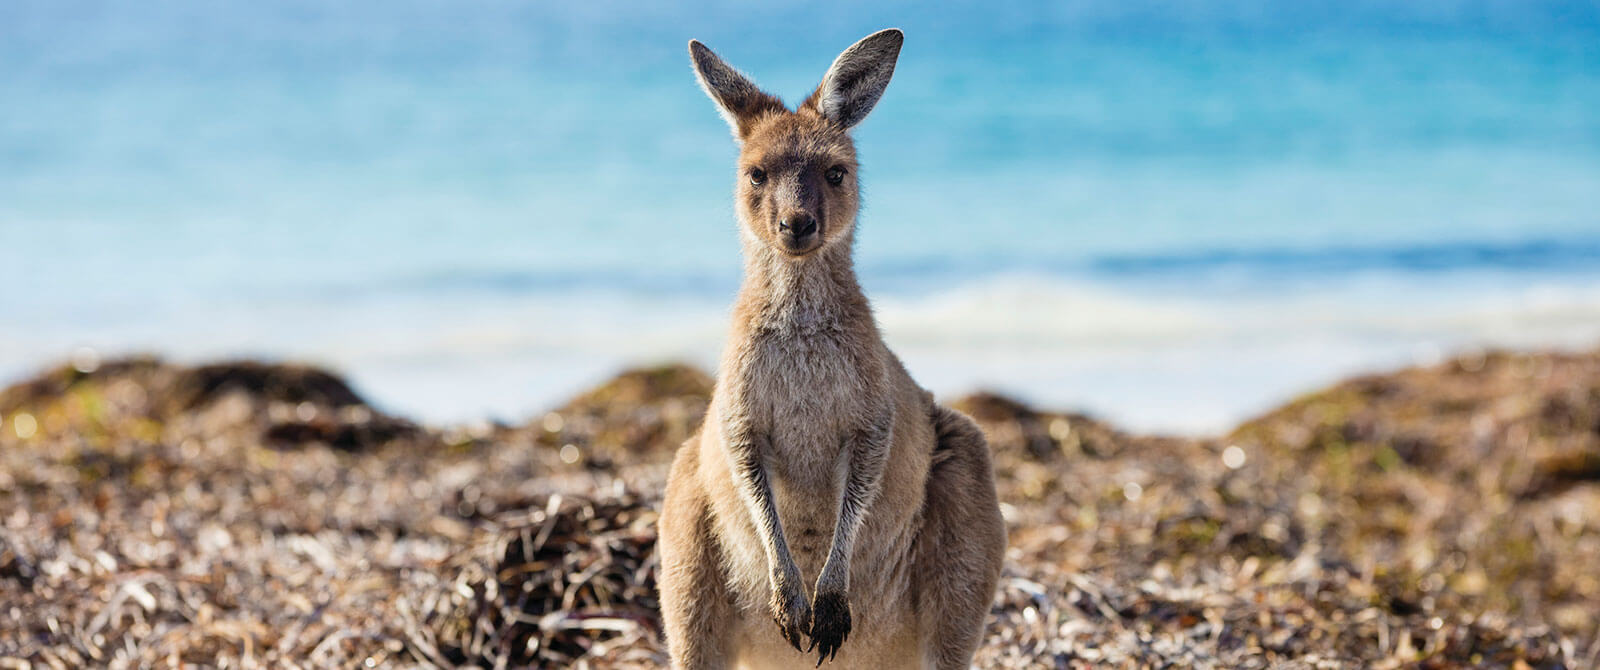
<point>820,461</point>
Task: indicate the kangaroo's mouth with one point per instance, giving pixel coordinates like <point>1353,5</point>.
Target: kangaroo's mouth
<point>801,246</point>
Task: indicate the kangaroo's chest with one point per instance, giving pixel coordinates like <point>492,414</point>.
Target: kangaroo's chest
<point>808,396</point>
<point>808,390</point>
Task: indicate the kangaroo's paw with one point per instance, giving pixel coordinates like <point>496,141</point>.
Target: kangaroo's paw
<point>791,611</point>
<point>830,623</point>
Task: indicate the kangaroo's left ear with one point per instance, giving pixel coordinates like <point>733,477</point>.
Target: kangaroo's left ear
<point>738,98</point>
<point>857,79</point>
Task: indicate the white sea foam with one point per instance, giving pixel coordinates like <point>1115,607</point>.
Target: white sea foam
<point>1164,360</point>
<point>1199,363</point>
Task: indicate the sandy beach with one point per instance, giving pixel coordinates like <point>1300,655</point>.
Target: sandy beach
<point>245,514</point>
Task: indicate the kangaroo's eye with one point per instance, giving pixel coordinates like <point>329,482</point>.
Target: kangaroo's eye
<point>835,175</point>
<point>758,176</point>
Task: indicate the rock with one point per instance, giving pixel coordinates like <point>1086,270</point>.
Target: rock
<point>285,383</point>
<point>206,401</point>
<point>641,415</point>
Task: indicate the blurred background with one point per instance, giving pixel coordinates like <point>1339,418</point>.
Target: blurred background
<point>1169,214</point>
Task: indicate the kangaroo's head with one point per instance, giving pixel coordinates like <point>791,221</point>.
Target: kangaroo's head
<point>797,190</point>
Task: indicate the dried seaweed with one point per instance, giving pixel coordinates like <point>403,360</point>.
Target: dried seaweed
<point>253,515</point>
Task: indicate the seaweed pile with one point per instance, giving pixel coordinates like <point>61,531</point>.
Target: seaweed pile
<point>249,514</point>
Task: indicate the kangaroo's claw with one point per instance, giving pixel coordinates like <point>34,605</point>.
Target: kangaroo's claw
<point>830,624</point>
<point>791,612</point>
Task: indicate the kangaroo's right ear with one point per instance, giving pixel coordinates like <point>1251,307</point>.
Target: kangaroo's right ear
<point>857,79</point>
<point>740,102</point>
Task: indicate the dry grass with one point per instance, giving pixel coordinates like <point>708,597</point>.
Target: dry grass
<point>247,515</point>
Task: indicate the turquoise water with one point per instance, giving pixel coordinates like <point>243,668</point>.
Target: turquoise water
<point>1170,215</point>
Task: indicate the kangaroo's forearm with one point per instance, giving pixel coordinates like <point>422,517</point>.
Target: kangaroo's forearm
<point>866,457</point>
<point>755,489</point>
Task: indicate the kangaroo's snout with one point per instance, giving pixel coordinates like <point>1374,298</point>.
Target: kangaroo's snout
<point>801,232</point>
<point>798,225</point>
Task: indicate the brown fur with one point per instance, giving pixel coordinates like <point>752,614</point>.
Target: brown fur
<point>821,463</point>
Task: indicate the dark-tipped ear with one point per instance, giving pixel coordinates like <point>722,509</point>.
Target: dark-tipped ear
<point>740,102</point>
<point>857,78</point>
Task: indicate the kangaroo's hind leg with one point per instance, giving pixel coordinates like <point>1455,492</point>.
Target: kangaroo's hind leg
<point>962,543</point>
<point>696,609</point>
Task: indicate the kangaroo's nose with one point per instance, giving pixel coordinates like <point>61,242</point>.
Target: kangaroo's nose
<point>798,225</point>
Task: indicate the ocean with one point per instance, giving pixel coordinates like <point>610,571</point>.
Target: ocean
<point>1171,215</point>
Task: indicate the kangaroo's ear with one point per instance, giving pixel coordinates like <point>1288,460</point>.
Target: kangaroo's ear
<point>740,102</point>
<point>857,78</point>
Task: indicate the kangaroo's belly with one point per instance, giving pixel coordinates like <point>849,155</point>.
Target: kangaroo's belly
<point>809,406</point>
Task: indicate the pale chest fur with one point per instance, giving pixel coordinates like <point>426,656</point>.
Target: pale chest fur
<point>807,393</point>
